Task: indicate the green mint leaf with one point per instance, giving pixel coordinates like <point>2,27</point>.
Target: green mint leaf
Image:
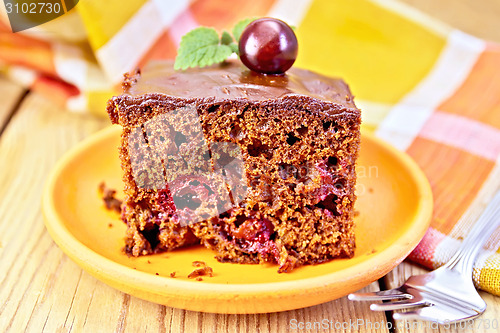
<point>234,47</point>
<point>240,26</point>
<point>199,48</point>
<point>226,38</point>
<point>203,47</point>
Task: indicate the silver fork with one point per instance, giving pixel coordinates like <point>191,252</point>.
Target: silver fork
<point>447,294</point>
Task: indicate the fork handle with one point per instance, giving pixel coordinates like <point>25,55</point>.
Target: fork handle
<point>463,260</point>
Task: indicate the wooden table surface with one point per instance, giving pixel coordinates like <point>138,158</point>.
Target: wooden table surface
<point>41,289</point>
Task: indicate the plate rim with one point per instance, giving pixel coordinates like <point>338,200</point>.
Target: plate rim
<point>104,268</point>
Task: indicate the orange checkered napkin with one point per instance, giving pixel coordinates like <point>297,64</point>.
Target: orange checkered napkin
<point>426,88</point>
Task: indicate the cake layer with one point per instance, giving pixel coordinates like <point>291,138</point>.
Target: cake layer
<point>257,168</point>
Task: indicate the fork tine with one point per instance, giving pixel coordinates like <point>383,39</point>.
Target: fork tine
<point>438,313</point>
<point>426,313</point>
<point>410,315</point>
<point>399,305</point>
<point>382,295</point>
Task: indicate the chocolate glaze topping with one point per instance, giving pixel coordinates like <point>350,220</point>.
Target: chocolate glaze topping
<point>232,80</point>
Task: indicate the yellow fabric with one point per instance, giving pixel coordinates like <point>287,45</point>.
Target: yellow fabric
<point>104,18</point>
<point>489,277</point>
<point>357,40</point>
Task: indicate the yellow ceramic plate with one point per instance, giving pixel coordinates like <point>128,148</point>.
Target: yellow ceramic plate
<point>394,204</point>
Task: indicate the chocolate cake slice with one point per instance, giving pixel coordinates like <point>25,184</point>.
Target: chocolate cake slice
<point>255,167</point>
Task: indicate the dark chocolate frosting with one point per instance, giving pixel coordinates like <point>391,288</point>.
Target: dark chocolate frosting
<point>232,80</point>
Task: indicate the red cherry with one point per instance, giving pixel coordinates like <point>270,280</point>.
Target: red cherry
<point>268,46</point>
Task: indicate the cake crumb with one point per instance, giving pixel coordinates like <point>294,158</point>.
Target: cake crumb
<point>157,274</point>
<point>199,278</point>
<point>198,263</point>
<point>149,262</point>
<point>172,275</point>
<point>110,225</point>
<point>201,272</point>
<point>129,79</point>
<point>108,196</point>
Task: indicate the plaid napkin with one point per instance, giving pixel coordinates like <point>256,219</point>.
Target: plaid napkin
<point>428,89</point>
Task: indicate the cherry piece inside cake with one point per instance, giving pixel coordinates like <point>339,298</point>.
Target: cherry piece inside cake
<point>255,167</point>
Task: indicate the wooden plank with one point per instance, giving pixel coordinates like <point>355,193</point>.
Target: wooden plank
<point>11,92</point>
<point>30,263</point>
<point>479,19</point>
<point>95,306</point>
<point>340,315</point>
<point>491,317</point>
<point>42,290</point>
